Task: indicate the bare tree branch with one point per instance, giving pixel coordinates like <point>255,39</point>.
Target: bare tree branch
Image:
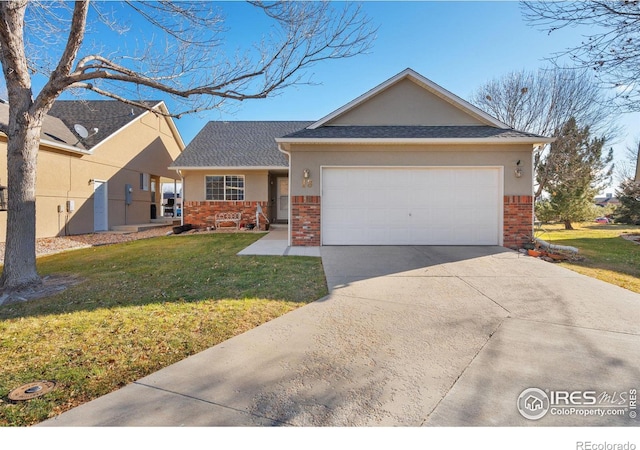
<point>542,102</point>
<point>611,49</point>
<point>58,81</point>
<point>12,52</point>
<point>179,53</point>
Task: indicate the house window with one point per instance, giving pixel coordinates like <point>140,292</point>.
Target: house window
<point>224,187</point>
<point>144,181</point>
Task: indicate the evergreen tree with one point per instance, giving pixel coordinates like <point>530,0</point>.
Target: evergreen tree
<point>576,172</point>
<point>629,196</point>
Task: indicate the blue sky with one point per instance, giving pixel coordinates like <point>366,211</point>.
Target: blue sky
<point>457,44</point>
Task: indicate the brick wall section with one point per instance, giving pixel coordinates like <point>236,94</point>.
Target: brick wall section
<point>518,220</point>
<point>305,220</point>
<point>202,214</point>
<point>305,217</point>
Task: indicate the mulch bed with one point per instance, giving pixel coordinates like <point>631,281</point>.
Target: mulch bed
<point>51,245</point>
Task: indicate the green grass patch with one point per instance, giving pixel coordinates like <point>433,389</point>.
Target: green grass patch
<point>603,253</point>
<point>141,306</point>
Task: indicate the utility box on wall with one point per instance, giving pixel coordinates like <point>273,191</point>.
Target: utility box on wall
<point>128,193</point>
<point>3,198</point>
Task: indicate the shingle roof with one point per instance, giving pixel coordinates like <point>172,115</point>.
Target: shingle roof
<point>238,144</point>
<point>409,132</point>
<point>108,116</point>
<point>53,128</point>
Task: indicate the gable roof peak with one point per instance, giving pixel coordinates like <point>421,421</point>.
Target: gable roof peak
<point>426,84</point>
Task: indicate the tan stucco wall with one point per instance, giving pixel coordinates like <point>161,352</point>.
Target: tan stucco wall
<point>405,103</point>
<point>313,157</point>
<point>146,145</point>
<point>256,184</point>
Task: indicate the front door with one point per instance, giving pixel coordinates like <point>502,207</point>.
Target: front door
<point>100,205</point>
<point>282,203</point>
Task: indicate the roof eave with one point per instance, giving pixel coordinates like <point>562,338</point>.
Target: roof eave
<point>228,167</point>
<point>65,147</point>
<point>401,141</point>
<point>58,146</point>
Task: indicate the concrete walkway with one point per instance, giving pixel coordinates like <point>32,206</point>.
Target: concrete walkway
<point>408,336</point>
<point>275,243</point>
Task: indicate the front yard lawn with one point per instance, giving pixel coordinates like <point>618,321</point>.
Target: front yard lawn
<point>141,306</point>
<point>603,253</point>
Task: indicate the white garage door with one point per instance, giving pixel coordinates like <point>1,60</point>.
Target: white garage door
<point>412,206</point>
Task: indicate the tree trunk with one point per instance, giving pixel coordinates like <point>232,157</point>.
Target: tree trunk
<point>23,141</point>
<point>567,225</point>
<point>20,249</point>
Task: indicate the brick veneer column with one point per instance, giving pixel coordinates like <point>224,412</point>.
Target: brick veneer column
<point>518,220</point>
<point>202,214</point>
<point>305,220</point>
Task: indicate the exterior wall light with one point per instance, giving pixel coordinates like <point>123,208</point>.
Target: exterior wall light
<point>306,178</point>
<point>518,171</point>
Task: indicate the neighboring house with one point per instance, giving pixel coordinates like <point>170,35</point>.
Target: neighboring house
<point>407,163</point>
<point>110,177</point>
<point>171,204</point>
<point>608,200</point>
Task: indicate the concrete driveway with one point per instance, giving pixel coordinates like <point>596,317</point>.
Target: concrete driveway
<point>410,336</point>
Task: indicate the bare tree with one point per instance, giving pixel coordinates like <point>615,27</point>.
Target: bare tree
<point>184,57</point>
<point>541,102</point>
<point>610,48</point>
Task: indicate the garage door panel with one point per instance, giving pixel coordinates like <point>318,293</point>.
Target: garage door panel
<point>428,236</point>
<point>422,216</point>
<point>394,179</point>
<point>395,196</point>
<point>341,217</point>
<point>439,178</point>
<point>418,206</point>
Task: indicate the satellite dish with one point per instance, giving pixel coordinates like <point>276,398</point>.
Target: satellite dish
<point>82,131</point>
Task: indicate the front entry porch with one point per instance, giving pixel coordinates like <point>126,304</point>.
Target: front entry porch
<point>276,243</point>
<point>154,223</point>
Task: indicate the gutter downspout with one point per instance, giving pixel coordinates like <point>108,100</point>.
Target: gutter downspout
<point>182,202</point>
<point>289,194</point>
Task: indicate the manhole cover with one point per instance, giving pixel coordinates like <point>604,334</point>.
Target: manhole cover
<point>31,390</point>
